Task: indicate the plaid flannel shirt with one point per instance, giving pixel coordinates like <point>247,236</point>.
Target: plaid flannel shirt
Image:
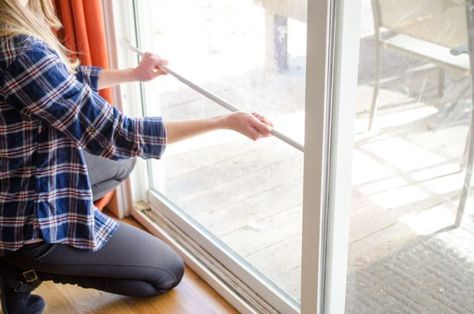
<point>47,118</point>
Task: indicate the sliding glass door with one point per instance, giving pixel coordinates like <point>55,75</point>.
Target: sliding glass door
<point>372,215</point>
<point>257,214</point>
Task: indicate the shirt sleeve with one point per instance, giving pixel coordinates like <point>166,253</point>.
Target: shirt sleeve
<point>89,75</point>
<point>39,85</point>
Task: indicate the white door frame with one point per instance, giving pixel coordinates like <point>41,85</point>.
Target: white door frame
<point>331,81</point>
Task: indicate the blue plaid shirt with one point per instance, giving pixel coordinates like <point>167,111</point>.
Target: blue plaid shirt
<point>47,118</point>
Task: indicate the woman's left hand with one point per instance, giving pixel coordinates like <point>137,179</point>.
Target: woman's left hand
<point>150,67</point>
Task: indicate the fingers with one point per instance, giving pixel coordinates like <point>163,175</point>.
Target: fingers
<point>261,127</point>
<point>247,125</point>
<point>160,66</point>
<point>261,123</point>
<point>262,119</point>
<point>257,129</point>
<point>253,133</point>
<point>156,73</point>
<point>159,71</point>
<point>151,66</point>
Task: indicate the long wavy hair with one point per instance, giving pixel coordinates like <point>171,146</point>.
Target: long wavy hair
<point>38,19</point>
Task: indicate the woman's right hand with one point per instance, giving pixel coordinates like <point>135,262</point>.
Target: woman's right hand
<point>252,125</point>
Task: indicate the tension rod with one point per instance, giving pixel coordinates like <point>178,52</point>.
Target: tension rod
<point>221,101</point>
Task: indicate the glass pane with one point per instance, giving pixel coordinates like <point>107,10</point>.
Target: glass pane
<point>248,195</point>
<point>405,254</point>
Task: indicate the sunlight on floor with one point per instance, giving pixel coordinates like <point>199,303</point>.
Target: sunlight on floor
<point>430,220</point>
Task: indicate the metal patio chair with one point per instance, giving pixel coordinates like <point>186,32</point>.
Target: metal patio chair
<point>469,13</point>
<point>435,31</point>
<point>419,29</point>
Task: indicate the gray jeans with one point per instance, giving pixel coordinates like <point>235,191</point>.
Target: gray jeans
<point>106,174</point>
<point>132,262</point>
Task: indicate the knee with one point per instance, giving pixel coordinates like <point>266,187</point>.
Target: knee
<point>166,279</point>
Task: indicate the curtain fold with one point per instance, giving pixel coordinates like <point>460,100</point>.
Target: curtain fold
<point>83,32</point>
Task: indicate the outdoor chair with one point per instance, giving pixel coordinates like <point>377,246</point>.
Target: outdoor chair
<point>469,9</point>
<point>434,31</point>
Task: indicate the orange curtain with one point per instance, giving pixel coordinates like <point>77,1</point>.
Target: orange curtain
<point>84,32</point>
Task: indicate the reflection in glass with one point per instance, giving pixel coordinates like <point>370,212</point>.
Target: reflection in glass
<point>413,114</point>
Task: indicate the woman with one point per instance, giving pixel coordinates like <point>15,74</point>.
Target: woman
<point>50,115</point>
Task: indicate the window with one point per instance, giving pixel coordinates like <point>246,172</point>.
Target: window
<point>239,205</point>
<point>246,196</point>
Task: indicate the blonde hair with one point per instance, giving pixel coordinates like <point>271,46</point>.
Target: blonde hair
<point>37,19</point>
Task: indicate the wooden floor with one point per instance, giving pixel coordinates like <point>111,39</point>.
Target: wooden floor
<point>192,295</point>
